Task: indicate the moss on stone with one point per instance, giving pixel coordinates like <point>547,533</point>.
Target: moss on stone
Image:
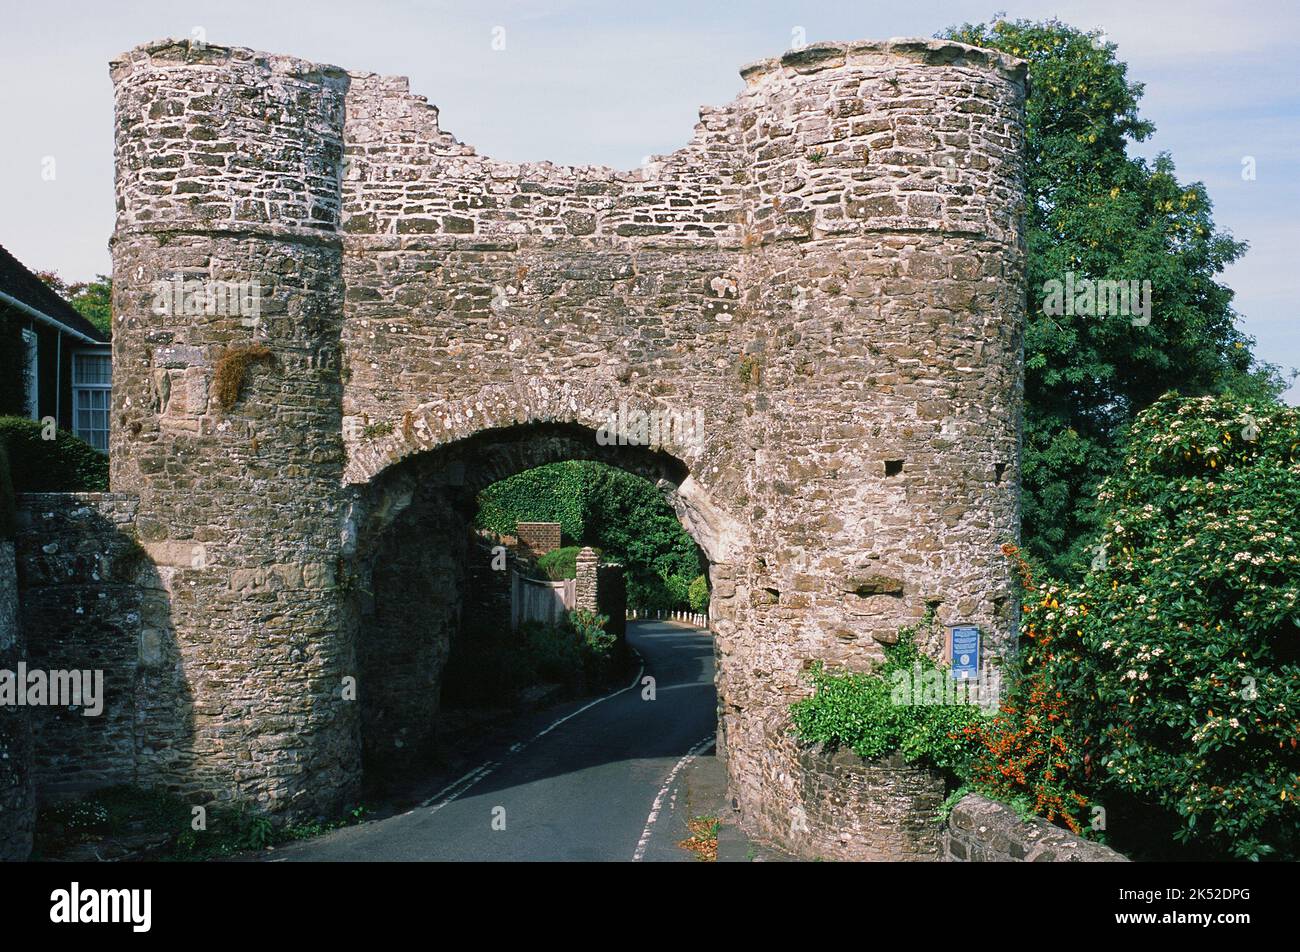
<point>232,370</point>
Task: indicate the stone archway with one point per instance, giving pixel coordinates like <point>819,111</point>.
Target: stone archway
<point>831,271</point>
<point>405,557</point>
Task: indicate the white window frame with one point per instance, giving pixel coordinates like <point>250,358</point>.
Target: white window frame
<point>78,387</point>
<point>32,353</point>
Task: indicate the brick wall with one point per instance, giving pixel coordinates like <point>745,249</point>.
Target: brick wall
<point>538,538</point>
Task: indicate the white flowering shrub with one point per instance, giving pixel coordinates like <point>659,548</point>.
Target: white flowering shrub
<point>1181,649</point>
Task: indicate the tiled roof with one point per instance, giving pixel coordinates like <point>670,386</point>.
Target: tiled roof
<point>18,282</point>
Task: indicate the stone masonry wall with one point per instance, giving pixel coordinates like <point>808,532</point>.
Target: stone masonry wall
<point>587,597</point>
<point>89,599</point>
<point>829,276</point>
<point>851,809</point>
<point>17,790</point>
<point>981,831</point>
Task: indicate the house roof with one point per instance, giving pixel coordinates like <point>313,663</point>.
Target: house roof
<point>20,283</point>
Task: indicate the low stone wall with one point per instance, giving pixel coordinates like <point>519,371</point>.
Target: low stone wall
<point>89,600</point>
<point>842,807</point>
<point>17,792</point>
<point>982,831</point>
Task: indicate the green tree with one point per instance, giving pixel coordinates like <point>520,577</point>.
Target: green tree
<point>631,522</point>
<point>551,493</point>
<point>93,300</point>
<point>1099,213</point>
<point>1177,655</point>
<point>615,511</point>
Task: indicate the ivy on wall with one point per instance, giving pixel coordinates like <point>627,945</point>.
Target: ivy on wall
<point>619,513</point>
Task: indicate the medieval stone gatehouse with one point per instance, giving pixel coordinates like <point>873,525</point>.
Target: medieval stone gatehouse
<point>831,272</point>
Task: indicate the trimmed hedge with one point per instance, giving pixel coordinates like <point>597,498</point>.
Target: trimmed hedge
<point>559,564</point>
<point>63,464</point>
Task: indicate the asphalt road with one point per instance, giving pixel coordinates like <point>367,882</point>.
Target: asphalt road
<point>598,780</point>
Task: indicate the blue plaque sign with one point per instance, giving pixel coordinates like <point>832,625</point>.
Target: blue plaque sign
<point>965,652</point>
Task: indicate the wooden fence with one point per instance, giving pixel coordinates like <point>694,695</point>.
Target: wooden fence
<point>546,602</point>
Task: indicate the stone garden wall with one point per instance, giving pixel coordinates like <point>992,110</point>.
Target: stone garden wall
<point>839,806</point>
<point>17,790</point>
<point>91,600</point>
<point>981,831</point>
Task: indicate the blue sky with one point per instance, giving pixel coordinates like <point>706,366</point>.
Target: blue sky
<point>609,83</point>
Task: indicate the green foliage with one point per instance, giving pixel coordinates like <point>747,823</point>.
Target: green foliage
<point>886,710</point>
<point>489,666</point>
<point>1097,212</point>
<point>632,523</point>
<point>63,464</point>
<point>698,594</point>
<point>560,563</point>
<point>617,512</point>
<point>598,645</point>
<point>1172,670</point>
<point>552,493</point>
<point>1030,755</point>
<point>154,814</point>
<point>576,654</point>
<point>93,300</point>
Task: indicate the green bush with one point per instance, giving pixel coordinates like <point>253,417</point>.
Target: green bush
<point>1179,653</point>
<point>621,514</point>
<point>488,666</point>
<point>897,707</point>
<point>554,651</point>
<point>598,645</point>
<point>126,810</point>
<point>560,564</point>
<point>63,464</point>
<point>698,594</point>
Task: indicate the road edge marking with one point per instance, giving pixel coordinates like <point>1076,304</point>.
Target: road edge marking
<point>486,769</point>
<point>690,755</point>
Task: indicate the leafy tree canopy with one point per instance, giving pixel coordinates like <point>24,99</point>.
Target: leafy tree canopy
<point>92,299</point>
<point>617,512</point>
<point>1099,213</point>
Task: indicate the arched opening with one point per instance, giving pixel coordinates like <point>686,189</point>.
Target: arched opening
<point>415,564</point>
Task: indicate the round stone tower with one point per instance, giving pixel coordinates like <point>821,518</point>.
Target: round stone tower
<point>228,303</point>
<point>885,262</point>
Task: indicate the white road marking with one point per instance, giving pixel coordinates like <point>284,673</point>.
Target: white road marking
<point>457,787</point>
<point>663,791</point>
